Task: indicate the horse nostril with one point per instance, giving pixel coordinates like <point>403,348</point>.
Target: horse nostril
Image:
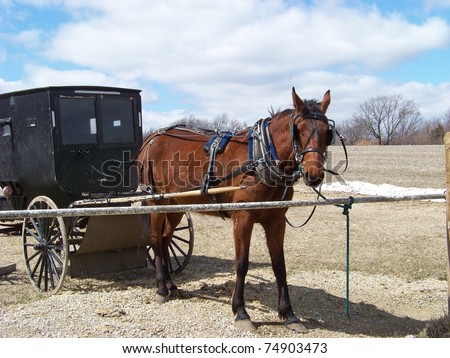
<point>314,176</point>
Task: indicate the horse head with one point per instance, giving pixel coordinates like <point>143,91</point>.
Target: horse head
<point>313,133</point>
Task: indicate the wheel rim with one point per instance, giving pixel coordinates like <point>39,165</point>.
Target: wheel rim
<point>181,246</point>
<point>46,248</point>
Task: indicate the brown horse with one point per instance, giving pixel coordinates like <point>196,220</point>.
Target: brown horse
<point>267,158</point>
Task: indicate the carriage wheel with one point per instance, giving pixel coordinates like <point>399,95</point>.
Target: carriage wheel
<point>46,249</point>
<point>77,230</point>
<point>181,246</point>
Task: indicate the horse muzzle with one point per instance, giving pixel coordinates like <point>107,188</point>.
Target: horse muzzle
<point>313,173</point>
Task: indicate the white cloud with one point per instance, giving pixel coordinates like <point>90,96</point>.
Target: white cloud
<point>433,99</point>
<point>436,4</point>
<point>249,103</point>
<point>28,38</point>
<point>154,120</point>
<point>348,91</point>
<point>9,86</point>
<point>37,76</point>
<point>233,41</point>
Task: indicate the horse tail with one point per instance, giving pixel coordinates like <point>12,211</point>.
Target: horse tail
<point>145,171</point>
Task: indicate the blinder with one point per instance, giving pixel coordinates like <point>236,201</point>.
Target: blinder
<point>331,133</point>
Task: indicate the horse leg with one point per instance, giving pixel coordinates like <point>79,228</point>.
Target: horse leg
<point>242,234</point>
<point>158,243</point>
<point>171,223</point>
<point>274,230</point>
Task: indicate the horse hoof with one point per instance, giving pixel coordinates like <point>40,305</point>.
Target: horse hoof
<point>245,325</point>
<point>297,327</point>
<point>161,299</point>
<point>174,293</point>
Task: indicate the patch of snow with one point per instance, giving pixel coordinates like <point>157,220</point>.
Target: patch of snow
<point>363,188</point>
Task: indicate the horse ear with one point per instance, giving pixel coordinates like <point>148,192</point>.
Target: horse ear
<point>325,102</point>
<point>298,103</point>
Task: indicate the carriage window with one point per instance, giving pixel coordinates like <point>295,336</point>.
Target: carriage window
<point>5,127</point>
<point>117,120</point>
<point>78,120</point>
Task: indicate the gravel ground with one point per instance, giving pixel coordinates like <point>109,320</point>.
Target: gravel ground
<point>397,278</point>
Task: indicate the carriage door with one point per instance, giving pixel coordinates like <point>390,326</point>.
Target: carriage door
<point>78,145</point>
<point>97,143</point>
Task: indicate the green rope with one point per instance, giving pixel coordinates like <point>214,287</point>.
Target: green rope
<point>346,212</point>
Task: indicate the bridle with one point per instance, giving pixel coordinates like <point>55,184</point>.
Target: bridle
<point>331,134</point>
<point>299,155</point>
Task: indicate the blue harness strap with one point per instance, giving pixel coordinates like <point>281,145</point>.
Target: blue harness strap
<point>250,145</point>
<point>225,139</point>
<point>272,149</point>
<point>271,146</point>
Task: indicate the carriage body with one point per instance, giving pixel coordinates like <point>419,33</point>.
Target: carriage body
<point>68,143</point>
<point>60,145</point>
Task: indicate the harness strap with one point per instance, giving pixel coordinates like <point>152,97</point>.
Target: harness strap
<point>209,176</point>
<point>264,155</point>
<point>250,145</point>
<point>268,139</point>
<point>341,138</point>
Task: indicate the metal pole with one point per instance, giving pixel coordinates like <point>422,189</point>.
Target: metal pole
<point>447,174</point>
<point>139,210</point>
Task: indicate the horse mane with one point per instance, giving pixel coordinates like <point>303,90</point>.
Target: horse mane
<point>311,107</point>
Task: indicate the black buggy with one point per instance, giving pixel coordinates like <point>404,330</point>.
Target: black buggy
<point>60,146</point>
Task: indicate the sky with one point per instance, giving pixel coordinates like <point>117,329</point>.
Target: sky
<point>241,58</point>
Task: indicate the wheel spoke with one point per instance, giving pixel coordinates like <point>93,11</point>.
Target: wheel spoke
<point>28,259</point>
<point>173,243</point>
<point>55,256</point>
<point>77,233</point>
<point>53,271</point>
<point>179,238</point>
<point>37,233</point>
<point>41,271</point>
<point>36,237</point>
<point>49,237</point>
<point>55,240</point>
<point>175,257</point>
<point>38,262</point>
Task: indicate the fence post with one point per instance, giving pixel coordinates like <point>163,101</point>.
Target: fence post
<point>447,175</point>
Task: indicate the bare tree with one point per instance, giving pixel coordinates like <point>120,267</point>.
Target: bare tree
<point>223,123</point>
<point>353,131</point>
<point>220,122</point>
<point>429,132</point>
<point>389,119</point>
<point>447,121</point>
